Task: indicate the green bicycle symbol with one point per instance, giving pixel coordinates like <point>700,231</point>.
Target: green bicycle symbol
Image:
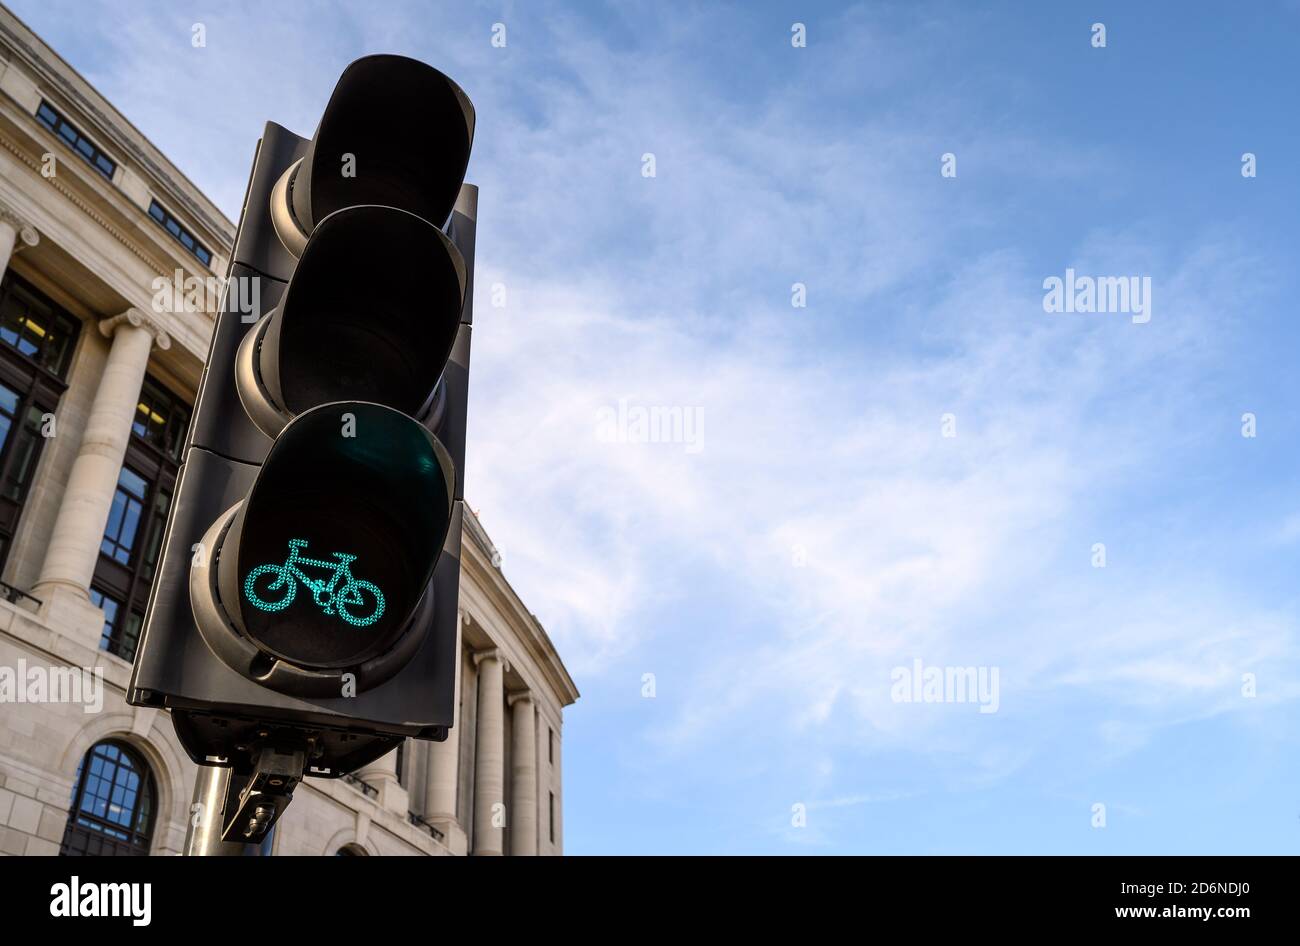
<point>279,586</point>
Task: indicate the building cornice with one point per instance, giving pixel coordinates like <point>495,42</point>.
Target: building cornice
<point>108,127</point>
<point>476,560</point>
<point>90,211</point>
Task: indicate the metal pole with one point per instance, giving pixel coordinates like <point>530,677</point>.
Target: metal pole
<point>212,789</point>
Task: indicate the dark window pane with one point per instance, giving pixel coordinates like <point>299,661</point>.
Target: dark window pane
<point>48,116</point>
<point>148,422</point>
<point>175,437</point>
<point>161,419</point>
<point>130,636</point>
<point>157,524</point>
<point>111,608</point>
<point>26,450</point>
<point>54,349</point>
<point>30,324</point>
<point>130,523</point>
<point>124,516</point>
<point>173,226</point>
<point>114,527</point>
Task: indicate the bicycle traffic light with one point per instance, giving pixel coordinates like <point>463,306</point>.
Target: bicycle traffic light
<point>323,564</point>
<point>307,596</point>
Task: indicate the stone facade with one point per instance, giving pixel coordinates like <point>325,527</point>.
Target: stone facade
<point>83,240</point>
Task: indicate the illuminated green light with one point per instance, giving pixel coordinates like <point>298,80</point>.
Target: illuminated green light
<point>333,595</point>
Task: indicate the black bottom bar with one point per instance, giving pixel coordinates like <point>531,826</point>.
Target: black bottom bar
<point>1226,895</point>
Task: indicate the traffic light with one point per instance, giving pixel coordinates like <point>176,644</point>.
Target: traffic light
<point>304,612</point>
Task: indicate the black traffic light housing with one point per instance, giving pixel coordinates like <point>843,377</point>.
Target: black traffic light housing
<point>307,593</point>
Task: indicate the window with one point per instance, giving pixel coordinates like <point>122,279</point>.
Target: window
<point>173,226</point>
<point>112,804</point>
<point>36,343</point>
<point>161,419</point>
<point>27,441</point>
<point>552,798</point>
<point>66,132</point>
<point>132,542</point>
<point>35,329</point>
<point>550,745</point>
<point>114,638</point>
<point>8,408</point>
<point>124,516</point>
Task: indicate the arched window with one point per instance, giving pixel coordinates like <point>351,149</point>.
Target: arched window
<point>352,850</point>
<point>113,803</point>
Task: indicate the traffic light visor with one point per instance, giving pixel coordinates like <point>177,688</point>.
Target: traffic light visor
<point>396,132</point>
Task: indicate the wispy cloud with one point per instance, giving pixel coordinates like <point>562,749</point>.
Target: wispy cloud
<point>827,530</point>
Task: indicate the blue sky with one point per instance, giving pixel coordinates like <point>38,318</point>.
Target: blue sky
<point>826,532</point>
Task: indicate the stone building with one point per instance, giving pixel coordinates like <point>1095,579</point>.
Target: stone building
<point>96,388</point>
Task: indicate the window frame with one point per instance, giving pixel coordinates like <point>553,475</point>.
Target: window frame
<point>75,139</point>
<point>133,499</point>
<point>101,832</point>
<point>39,387</point>
<point>178,231</point>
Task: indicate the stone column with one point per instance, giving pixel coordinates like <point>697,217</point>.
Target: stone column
<point>12,229</point>
<point>444,758</point>
<point>489,759</point>
<point>416,762</point>
<point>74,542</point>
<point>382,774</point>
<point>523,776</point>
<point>444,773</point>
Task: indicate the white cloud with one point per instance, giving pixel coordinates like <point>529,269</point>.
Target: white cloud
<point>822,425</point>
